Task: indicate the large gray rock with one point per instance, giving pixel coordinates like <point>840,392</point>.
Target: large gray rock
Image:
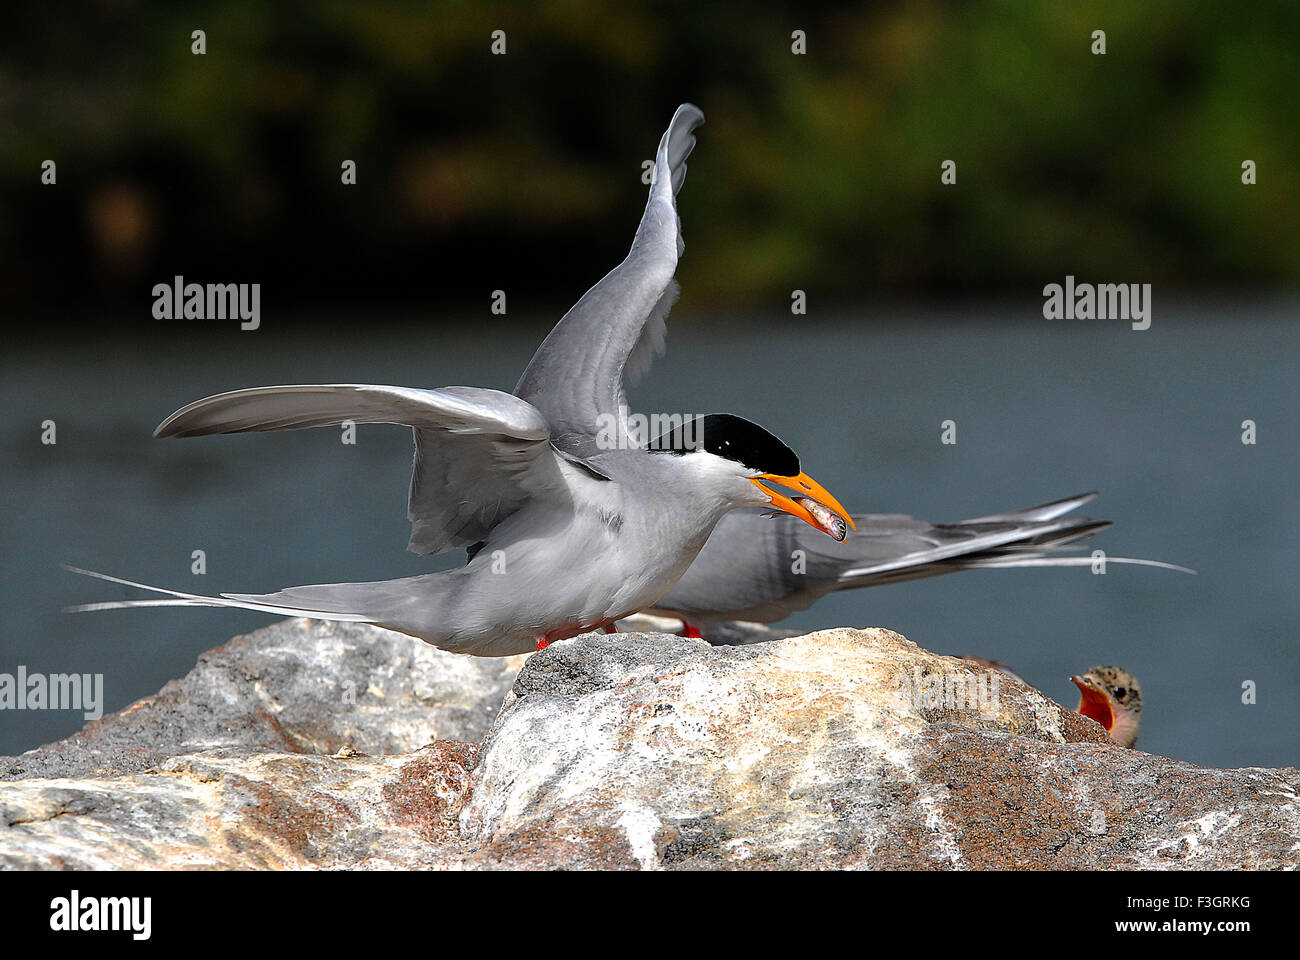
<point>825,751</point>
<point>298,686</point>
<point>271,810</point>
<point>843,748</point>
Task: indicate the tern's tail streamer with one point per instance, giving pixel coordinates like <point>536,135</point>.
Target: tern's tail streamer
<point>177,598</point>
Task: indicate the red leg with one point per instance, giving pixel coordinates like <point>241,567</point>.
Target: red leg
<point>542,643</point>
<point>609,628</point>
<point>690,631</point>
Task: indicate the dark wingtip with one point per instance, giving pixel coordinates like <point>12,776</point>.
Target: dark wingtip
<point>168,429</point>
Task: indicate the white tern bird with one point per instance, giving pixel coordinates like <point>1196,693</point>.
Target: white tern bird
<point>572,521</point>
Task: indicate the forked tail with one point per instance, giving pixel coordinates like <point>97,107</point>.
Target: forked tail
<point>177,598</point>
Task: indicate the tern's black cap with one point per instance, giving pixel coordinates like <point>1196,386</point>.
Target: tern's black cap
<point>733,438</point>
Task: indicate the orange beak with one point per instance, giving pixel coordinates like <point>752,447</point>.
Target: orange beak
<point>814,490</point>
<point>1094,702</point>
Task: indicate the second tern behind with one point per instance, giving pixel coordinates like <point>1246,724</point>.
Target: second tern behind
<point>571,520</point>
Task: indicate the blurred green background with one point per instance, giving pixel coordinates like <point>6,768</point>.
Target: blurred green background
<point>818,172</point>
<point>478,172</point>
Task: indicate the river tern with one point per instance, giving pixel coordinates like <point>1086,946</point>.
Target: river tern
<point>761,568</point>
<point>571,518</point>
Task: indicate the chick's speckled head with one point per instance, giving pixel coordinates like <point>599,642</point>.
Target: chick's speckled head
<point>1112,697</point>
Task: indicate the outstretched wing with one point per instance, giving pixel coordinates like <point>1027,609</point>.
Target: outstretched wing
<point>479,454</point>
<point>576,376</point>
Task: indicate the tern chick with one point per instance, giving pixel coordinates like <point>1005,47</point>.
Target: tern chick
<point>1112,697</point>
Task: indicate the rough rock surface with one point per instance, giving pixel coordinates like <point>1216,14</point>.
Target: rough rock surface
<point>298,686</point>
<point>271,810</point>
<point>844,748</point>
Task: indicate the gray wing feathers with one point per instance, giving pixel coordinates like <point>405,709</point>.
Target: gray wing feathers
<point>479,454</point>
<point>1048,511</point>
<point>888,547</point>
<point>674,147</point>
<point>463,487</point>
<point>748,568</point>
<point>297,406</point>
<point>576,376</point>
<point>653,336</point>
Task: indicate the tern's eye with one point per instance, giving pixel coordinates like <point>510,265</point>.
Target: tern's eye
<point>1120,693</point>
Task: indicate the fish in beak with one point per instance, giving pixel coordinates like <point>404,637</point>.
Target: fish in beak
<point>817,509</point>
